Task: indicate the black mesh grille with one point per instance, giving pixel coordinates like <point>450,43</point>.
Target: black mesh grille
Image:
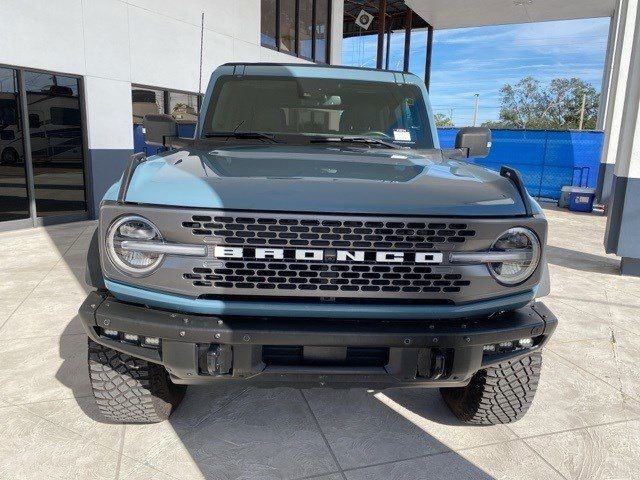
<point>271,231</point>
<point>287,277</point>
<point>278,275</point>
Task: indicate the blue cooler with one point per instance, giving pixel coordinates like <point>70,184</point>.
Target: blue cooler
<point>581,199</point>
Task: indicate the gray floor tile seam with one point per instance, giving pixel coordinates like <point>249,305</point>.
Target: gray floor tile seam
<point>537,454</point>
<point>574,429</point>
<point>607,320</point>
<point>448,451</point>
<point>41,280</point>
<point>318,475</point>
<point>148,465</point>
<point>625,396</point>
<point>322,434</point>
<point>120,450</point>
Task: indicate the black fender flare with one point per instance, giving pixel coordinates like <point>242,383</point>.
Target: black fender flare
<point>93,272</point>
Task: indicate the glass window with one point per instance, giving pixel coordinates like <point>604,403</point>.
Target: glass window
<point>14,200</point>
<point>56,143</point>
<point>322,22</point>
<point>268,23</point>
<point>308,106</point>
<point>288,26</point>
<point>183,107</point>
<point>146,101</point>
<point>305,29</point>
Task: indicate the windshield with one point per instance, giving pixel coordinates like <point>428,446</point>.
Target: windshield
<point>320,108</point>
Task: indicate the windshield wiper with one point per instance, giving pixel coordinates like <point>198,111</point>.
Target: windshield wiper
<point>369,140</point>
<point>245,135</point>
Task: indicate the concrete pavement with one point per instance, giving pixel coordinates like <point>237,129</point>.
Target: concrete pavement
<point>585,421</point>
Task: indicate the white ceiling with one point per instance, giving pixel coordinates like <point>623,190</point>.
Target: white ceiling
<point>475,13</point>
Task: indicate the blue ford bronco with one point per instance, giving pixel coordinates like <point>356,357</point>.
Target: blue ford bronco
<point>314,233</point>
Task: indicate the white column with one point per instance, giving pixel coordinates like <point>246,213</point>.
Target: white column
<point>337,21</point>
<point>108,111</point>
<point>623,219</point>
<point>626,12</point>
<point>605,89</point>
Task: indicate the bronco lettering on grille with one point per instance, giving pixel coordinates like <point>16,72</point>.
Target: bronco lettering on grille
<point>328,255</point>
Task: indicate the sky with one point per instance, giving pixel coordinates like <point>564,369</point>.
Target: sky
<point>481,60</point>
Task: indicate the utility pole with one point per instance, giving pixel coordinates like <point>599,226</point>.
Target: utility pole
<point>451,115</point>
<point>584,105</point>
<point>475,111</point>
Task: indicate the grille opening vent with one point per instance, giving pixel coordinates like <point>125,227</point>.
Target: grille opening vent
<point>292,355</point>
<point>256,231</point>
<point>301,276</point>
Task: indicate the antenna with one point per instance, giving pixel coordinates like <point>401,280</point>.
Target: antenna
<point>201,49</point>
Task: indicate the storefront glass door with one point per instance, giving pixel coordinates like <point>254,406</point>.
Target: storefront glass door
<point>42,175</point>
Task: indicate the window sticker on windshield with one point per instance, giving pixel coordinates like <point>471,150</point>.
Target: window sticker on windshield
<point>401,135</point>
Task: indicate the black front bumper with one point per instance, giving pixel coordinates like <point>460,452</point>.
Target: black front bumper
<point>314,352</point>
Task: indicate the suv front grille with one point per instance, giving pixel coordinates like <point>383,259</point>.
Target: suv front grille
<point>361,275</point>
<point>295,232</point>
<point>288,277</point>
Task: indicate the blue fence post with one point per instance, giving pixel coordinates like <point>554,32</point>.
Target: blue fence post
<point>544,161</point>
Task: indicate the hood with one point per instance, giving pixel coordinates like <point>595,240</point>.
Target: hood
<point>323,179</point>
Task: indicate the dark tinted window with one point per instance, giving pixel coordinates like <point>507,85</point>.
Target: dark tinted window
<point>296,27</point>
<point>322,22</point>
<point>268,19</point>
<point>288,26</point>
<point>309,106</point>
<point>183,107</point>
<point>146,101</point>
<point>14,202</point>
<point>56,143</point>
<point>305,29</point>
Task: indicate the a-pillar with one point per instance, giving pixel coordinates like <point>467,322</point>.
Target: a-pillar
<point>622,236</point>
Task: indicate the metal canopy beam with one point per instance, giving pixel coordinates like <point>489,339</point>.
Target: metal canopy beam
<point>427,66</point>
<point>407,38</point>
<point>381,31</point>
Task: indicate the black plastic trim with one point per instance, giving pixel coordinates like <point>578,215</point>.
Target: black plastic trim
<point>514,175</point>
<point>183,335</point>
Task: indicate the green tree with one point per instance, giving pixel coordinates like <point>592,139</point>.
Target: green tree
<point>443,120</point>
<point>529,104</point>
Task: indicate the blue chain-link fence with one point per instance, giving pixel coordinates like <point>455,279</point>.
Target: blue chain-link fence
<point>547,160</point>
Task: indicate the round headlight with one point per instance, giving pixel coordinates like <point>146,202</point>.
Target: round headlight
<point>133,228</point>
<point>516,240</point>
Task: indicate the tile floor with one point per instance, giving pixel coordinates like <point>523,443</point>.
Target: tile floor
<point>585,422</point>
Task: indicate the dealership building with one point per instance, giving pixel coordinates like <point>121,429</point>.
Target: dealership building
<point>79,75</point>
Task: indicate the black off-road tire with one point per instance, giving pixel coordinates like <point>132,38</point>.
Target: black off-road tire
<point>131,390</point>
<point>499,394</point>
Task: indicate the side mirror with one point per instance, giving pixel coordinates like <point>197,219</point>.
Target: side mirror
<point>475,140</point>
<point>157,128</point>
